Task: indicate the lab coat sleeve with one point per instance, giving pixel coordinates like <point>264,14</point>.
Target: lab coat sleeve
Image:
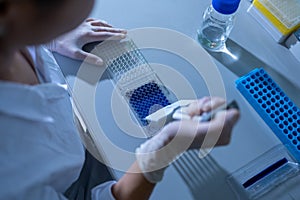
<point>40,192</point>
<point>103,191</point>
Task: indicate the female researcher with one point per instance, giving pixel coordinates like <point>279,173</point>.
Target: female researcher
<point>41,152</point>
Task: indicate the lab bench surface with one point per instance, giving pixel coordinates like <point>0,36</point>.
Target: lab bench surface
<point>251,137</point>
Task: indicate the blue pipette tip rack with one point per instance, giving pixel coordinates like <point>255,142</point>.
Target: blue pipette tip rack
<point>274,107</point>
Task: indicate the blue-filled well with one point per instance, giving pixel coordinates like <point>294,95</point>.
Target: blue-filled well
<point>144,98</point>
<point>274,107</point>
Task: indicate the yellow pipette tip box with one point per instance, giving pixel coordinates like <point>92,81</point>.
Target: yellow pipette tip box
<point>279,17</point>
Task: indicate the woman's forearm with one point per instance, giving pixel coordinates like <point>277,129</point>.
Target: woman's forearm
<point>133,186</point>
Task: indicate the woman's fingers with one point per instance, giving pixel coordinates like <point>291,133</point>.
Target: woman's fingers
<point>222,124</point>
<point>214,103</point>
<point>101,36</point>
<point>103,26</point>
<point>231,116</point>
<point>195,108</point>
<point>204,104</point>
<point>99,23</point>
<point>189,134</point>
<point>99,30</point>
<point>108,29</point>
<point>216,132</point>
<point>90,19</point>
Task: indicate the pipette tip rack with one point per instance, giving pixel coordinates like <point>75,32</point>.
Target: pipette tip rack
<point>274,107</point>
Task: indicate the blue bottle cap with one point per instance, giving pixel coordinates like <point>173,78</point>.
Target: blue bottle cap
<point>226,7</point>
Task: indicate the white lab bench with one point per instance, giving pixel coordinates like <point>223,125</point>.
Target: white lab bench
<point>251,137</point>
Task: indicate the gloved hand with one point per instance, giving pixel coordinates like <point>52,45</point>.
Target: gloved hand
<point>92,30</point>
<point>157,153</point>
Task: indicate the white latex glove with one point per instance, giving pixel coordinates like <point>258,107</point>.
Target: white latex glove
<point>92,30</point>
<point>157,153</point>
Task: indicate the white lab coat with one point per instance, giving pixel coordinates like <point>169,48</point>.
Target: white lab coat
<point>41,153</point>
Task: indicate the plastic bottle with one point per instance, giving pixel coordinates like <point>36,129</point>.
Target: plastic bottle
<point>218,20</point>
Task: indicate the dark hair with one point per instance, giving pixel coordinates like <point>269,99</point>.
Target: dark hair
<point>47,3</point>
<point>42,4</point>
<point>3,5</point>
